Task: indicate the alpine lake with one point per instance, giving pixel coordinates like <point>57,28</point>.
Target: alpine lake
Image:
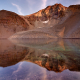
<point>40,59</point>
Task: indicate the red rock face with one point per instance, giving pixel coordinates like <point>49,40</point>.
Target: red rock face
<point>74,7</point>
<point>50,12</point>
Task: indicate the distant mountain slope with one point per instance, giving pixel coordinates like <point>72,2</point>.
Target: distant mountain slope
<point>56,21</point>
<point>67,27</point>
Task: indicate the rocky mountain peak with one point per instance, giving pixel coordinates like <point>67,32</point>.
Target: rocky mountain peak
<point>52,11</point>
<point>74,7</point>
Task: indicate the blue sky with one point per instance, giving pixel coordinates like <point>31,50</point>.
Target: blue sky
<point>26,7</point>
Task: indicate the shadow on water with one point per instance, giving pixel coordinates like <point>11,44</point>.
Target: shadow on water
<point>40,59</point>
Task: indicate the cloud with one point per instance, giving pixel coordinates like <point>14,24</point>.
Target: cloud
<point>19,9</point>
<point>44,2</point>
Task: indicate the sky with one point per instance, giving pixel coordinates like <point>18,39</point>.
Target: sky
<point>26,7</point>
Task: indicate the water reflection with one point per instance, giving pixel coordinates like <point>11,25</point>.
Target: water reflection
<point>44,59</point>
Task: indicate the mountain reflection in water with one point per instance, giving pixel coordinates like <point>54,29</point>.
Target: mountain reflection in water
<point>43,59</point>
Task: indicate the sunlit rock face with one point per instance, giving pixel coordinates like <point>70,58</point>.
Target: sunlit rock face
<point>52,13</point>
<point>48,12</point>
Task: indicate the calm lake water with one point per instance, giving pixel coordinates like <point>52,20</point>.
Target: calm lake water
<point>43,59</point>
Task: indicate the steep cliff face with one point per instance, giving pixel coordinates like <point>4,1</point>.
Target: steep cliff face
<point>11,23</point>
